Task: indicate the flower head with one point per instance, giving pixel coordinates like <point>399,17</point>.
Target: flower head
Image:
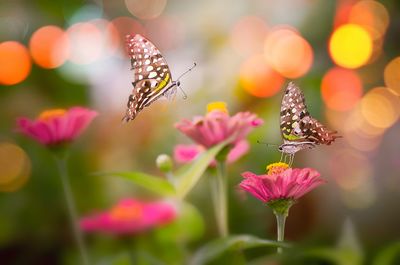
<point>217,126</point>
<point>187,153</point>
<point>281,182</point>
<point>57,126</point>
<point>130,216</point>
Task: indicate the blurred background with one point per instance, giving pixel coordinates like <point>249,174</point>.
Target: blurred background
<point>344,54</point>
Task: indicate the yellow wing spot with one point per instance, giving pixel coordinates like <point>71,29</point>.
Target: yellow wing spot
<point>163,82</point>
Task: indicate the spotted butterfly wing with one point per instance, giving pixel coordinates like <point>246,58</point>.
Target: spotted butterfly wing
<point>299,130</point>
<point>152,77</point>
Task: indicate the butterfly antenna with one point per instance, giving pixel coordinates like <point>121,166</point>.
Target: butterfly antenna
<point>178,83</point>
<point>187,71</point>
<point>267,144</point>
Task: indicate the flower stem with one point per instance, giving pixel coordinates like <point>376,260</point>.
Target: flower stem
<point>62,167</point>
<point>219,195</point>
<point>280,222</point>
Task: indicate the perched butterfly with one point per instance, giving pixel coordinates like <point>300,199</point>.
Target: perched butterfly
<point>299,130</point>
<point>152,77</point>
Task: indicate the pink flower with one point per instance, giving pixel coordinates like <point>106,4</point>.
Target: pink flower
<point>217,126</point>
<point>187,153</point>
<point>57,126</point>
<point>287,184</point>
<point>130,216</point>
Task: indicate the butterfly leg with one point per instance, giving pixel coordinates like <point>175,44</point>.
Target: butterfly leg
<point>280,160</point>
<point>291,160</point>
<point>285,158</point>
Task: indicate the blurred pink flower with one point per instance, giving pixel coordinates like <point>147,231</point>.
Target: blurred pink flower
<point>287,184</point>
<point>187,153</point>
<point>217,126</point>
<point>57,126</point>
<point>130,216</point>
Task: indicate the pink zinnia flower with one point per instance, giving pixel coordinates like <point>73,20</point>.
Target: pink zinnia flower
<point>187,153</point>
<point>130,216</point>
<point>281,182</point>
<point>217,126</point>
<point>57,126</point>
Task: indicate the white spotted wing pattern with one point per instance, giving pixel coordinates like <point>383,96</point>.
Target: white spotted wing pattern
<point>152,77</point>
<point>298,129</point>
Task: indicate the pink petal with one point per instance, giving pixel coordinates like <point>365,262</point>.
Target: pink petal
<point>151,215</point>
<point>292,183</point>
<point>240,148</point>
<point>58,129</point>
<point>186,153</point>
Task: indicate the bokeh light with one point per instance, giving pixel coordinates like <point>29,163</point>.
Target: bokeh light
<point>341,89</point>
<point>15,167</point>
<point>248,34</point>
<point>353,170</point>
<point>355,129</point>
<point>124,26</point>
<point>258,78</point>
<point>372,16</point>
<point>15,63</point>
<point>350,46</point>
<point>49,47</point>
<point>362,141</point>
<point>380,107</point>
<point>109,42</point>
<point>362,197</point>
<point>84,39</point>
<point>146,9</point>
<point>392,75</point>
<point>288,53</point>
<point>168,32</point>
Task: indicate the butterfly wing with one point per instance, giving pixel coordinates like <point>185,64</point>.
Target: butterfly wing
<point>296,123</point>
<point>316,132</point>
<point>151,74</point>
<point>293,110</point>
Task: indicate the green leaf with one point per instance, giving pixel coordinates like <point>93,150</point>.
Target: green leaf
<point>219,246</point>
<point>387,255</point>
<point>190,175</point>
<point>152,183</point>
<point>120,259</point>
<point>188,227</point>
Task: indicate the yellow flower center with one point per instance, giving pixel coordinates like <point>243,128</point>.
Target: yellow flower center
<point>276,168</point>
<point>217,105</point>
<point>126,212</point>
<point>50,114</point>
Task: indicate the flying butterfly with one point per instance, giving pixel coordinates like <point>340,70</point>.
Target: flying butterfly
<point>152,77</point>
<point>298,129</point>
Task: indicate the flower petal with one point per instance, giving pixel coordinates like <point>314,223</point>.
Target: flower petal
<point>186,153</point>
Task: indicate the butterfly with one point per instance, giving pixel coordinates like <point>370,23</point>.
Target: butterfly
<point>299,129</point>
<point>152,77</point>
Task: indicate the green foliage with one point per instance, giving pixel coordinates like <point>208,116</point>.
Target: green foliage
<point>152,183</point>
<point>388,255</point>
<point>187,178</point>
<point>187,228</point>
<point>218,247</point>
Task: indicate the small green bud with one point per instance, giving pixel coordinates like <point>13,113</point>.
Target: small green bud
<point>164,163</point>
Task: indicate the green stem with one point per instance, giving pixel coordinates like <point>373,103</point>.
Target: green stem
<point>171,178</point>
<point>62,167</point>
<point>280,222</point>
<point>219,196</point>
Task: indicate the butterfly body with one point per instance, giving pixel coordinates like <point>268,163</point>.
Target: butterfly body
<point>152,77</point>
<point>299,129</point>
<point>292,148</point>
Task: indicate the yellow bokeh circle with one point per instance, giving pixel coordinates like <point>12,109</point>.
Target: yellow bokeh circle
<point>350,46</point>
<point>380,107</point>
<point>15,167</point>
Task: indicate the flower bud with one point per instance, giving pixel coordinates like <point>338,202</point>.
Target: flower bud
<point>164,163</point>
